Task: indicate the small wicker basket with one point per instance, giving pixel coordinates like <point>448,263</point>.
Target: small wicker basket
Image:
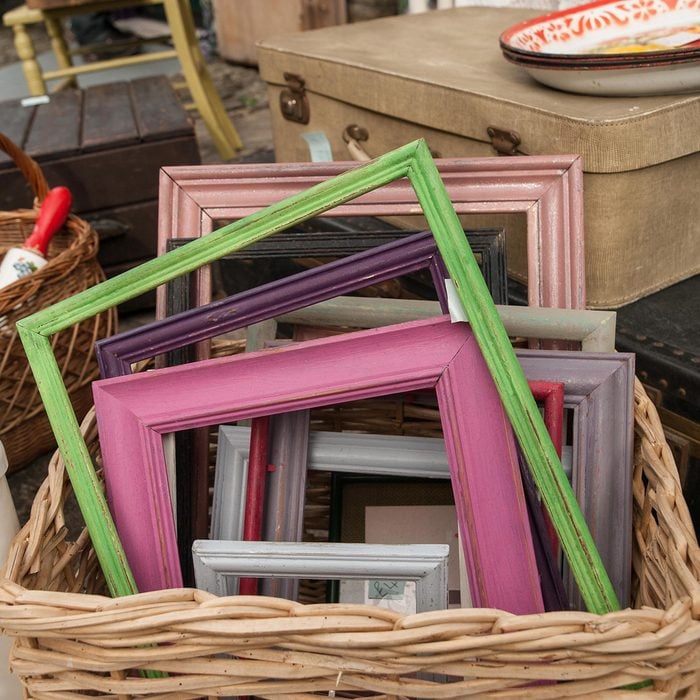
<point>73,642</point>
<point>71,268</point>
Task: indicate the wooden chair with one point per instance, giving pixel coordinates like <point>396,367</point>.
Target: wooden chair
<point>186,49</point>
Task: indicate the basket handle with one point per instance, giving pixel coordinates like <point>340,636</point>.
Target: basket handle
<point>27,166</point>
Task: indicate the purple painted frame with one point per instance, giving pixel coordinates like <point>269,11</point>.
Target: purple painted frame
<point>547,189</point>
<point>116,353</point>
<point>377,264</point>
<point>134,412</point>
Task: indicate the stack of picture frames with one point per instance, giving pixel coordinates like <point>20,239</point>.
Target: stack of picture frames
<point>505,416</point>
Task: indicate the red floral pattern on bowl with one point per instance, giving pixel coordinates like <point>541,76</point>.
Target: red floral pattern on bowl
<point>610,29</point>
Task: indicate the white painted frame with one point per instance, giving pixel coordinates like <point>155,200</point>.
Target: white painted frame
<point>216,561</point>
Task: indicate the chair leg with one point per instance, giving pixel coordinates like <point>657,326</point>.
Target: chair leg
<point>199,82</point>
<point>54,29</point>
<point>27,55</point>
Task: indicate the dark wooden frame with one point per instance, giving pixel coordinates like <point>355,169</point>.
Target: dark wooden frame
<point>488,244</point>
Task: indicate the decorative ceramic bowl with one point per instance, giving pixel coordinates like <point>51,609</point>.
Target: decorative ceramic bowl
<point>579,63</point>
<point>610,29</point>
<point>612,47</point>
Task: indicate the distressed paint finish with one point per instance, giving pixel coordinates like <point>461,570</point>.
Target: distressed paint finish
<point>176,334</point>
<point>552,394</point>
<point>414,162</point>
<point>546,189</point>
<point>426,564</point>
<point>599,389</point>
<point>341,276</point>
<point>294,450</point>
<point>286,298</point>
<point>257,469</point>
<point>289,459</point>
<point>134,412</point>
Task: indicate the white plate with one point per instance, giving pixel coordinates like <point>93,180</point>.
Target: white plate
<point>680,77</point>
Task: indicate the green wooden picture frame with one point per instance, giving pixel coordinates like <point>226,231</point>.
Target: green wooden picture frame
<point>414,162</point>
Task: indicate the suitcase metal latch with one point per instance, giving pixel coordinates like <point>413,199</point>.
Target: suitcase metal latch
<point>294,104</point>
<point>505,142</point>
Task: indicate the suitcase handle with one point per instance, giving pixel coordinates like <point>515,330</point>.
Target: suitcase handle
<point>354,134</point>
<point>504,141</point>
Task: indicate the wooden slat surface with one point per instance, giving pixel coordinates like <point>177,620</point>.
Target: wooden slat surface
<point>55,132</point>
<point>108,118</point>
<point>105,143</point>
<point>105,179</point>
<point>157,110</point>
<point>14,123</point>
<point>98,118</point>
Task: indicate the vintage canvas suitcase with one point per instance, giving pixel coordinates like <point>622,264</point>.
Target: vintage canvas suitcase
<point>440,75</point>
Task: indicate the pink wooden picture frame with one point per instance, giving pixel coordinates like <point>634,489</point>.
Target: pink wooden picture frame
<point>134,412</point>
<point>547,189</point>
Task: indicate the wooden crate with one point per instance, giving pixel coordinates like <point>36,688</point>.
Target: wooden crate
<point>239,24</point>
<point>106,143</point>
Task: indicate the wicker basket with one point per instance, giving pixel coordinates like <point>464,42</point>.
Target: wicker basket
<point>73,642</point>
<point>71,268</point>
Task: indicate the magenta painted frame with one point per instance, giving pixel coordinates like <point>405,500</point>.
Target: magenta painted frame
<point>547,189</point>
<point>135,411</point>
<point>281,508</point>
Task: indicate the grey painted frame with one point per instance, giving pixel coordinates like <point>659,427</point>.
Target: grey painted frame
<point>215,561</point>
<point>599,390</point>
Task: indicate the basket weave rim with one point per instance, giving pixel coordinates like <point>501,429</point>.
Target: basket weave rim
<point>369,648</point>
